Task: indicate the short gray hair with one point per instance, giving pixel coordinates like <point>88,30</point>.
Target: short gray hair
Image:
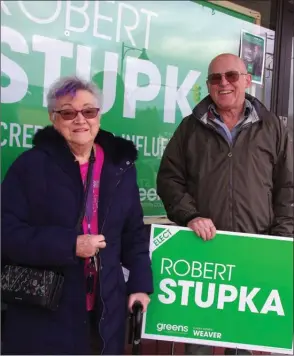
<point>70,85</point>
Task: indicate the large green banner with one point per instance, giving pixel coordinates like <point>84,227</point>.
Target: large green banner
<point>150,59</point>
<point>233,291</point>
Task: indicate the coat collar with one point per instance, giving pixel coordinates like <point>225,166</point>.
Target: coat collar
<point>200,110</point>
<point>116,149</point>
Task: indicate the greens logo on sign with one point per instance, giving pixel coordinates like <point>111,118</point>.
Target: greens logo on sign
<point>221,291</point>
<point>169,327</point>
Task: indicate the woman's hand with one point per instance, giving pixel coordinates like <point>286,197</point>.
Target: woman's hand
<point>143,298</point>
<point>89,245</point>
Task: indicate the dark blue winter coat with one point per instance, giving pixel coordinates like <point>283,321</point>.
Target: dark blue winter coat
<point>41,200</point>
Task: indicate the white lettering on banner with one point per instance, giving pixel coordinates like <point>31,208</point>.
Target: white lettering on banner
<point>247,299</point>
<point>17,135</point>
<point>164,236</point>
<point>148,24</point>
<point>14,134</point>
<point>83,66</point>
<point>170,327</point>
<point>170,296</point>
<point>227,294</point>
<point>92,16</point>
<point>129,22</point>
<point>210,295</point>
<point>128,28</point>
<point>36,19</point>
<point>148,194</point>
<point>135,92</point>
<point>207,334</point>
<point>185,290</point>
<point>18,86</point>
<point>151,146</point>
<point>196,269</point>
<point>54,50</point>
<point>4,8</point>
<point>222,294</point>
<point>177,95</point>
<point>109,86</point>
<point>273,303</point>
<point>78,9</point>
<point>97,17</point>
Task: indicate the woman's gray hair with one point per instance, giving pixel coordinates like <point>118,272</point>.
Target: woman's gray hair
<point>70,85</point>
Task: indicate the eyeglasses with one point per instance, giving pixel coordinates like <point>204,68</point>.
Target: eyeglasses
<point>70,114</point>
<point>232,76</point>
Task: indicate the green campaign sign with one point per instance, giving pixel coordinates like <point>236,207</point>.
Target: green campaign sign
<point>150,63</point>
<point>233,291</point>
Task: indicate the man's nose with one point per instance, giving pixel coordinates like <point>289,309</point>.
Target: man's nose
<point>223,81</point>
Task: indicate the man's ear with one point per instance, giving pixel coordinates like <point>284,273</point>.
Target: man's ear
<point>248,80</point>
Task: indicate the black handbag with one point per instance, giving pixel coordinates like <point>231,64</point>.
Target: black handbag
<point>35,286</point>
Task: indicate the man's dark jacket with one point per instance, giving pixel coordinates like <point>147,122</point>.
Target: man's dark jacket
<point>246,187</point>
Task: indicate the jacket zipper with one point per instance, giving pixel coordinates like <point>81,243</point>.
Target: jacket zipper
<point>231,190</point>
<point>100,260</point>
<point>230,155</point>
<point>231,175</point>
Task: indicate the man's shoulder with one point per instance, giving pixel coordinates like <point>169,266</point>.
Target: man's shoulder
<point>198,116</point>
<point>190,124</point>
<point>270,119</point>
<point>202,108</point>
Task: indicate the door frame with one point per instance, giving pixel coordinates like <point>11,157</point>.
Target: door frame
<point>284,10</point>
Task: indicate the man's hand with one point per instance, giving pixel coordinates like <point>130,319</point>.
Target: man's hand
<point>203,227</point>
<point>139,297</point>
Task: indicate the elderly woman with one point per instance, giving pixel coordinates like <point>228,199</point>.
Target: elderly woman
<point>42,198</point>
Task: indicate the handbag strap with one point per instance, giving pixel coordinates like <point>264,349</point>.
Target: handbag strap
<point>86,193</point>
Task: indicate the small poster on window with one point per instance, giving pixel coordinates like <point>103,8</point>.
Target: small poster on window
<point>252,51</point>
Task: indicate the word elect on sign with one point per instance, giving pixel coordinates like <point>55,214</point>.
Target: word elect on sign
<point>219,294</point>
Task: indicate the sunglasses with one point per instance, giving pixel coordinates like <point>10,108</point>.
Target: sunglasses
<point>70,114</point>
<point>232,76</point>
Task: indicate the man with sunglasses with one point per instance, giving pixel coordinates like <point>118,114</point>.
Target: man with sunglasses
<point>229,165</point>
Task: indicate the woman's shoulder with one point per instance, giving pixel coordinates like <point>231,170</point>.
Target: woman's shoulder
<point>27,160</point>
<point>117,148</point>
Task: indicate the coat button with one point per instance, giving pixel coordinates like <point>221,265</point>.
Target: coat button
<point>230,154</point>
<point>128,162</point>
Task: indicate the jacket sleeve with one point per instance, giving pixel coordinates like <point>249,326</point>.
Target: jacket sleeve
<point>283,187</point>
<point>172,179</point>
<point>21,242</point>
<point>135,245</point>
